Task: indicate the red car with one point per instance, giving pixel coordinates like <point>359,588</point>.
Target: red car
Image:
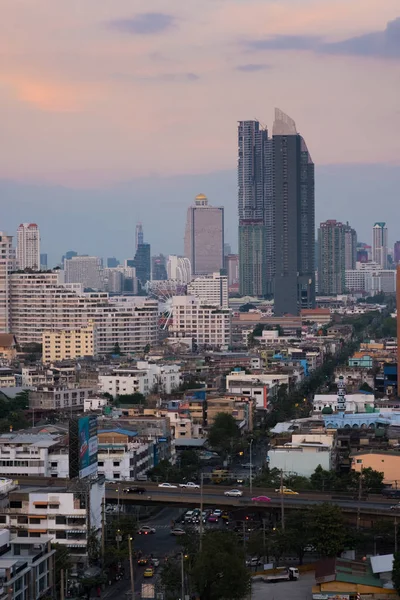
<point>212,519</point>
<point>261,499</point>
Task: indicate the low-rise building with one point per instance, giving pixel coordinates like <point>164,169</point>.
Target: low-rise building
<point>7,377</point>
<point>261,387</point>
<point>210,289</point>
<point>300,458</point>
<point>355,403</point>
<point>66,345</point>
<point>8,347</point>
<point>59,398</point>
<point>386,462</point>
<point>40,455</point>
<point>145,378</point>
<point>240,407</point>
<point>123,455</point>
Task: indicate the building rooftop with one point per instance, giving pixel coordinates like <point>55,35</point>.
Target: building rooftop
<point>346,571</point>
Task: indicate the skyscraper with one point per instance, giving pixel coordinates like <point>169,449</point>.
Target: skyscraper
<point>28,246</point>
<point>380,244</point>
<point>139,239</point>
<point>396,253</point>
<point>142,263</point>
<point>86,270</point>
<point>204,237</point>
<point>350,247</point>
<point>159,270</point>
<point>7,265</point>
<point>332,257</point>
<point>292,218</point>
<point>252,204</point>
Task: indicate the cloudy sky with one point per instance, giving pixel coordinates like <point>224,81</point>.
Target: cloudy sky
<point>123,110</point>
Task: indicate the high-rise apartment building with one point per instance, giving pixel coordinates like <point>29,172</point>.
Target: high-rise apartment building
<point>159,269</point>
<point>142,263</point>
<point>204,237</point>
<point>380,244</point>
<point>28,246</point>
<point>210,289</point>
<point>7,265</point>
<point>87,270</point>
<point>179,269</point>
<point>396,253</point>
<point>43,262</point>
<point>332,258</point>
<point>293,219</point>
<point>350,247</point>
<point>253,203</point>
<point>232,269</point>
<point>112,262</point>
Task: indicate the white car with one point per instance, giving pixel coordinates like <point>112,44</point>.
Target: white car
<point>190,485</point>
<point>167,485</point>
<point>234,493</point>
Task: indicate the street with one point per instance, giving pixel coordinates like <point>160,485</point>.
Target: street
<point>295,590</point>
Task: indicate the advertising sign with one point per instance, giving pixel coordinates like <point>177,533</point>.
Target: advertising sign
<point>87,433</point>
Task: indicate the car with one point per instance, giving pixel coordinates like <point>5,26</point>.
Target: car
<point>287,491</point>
<point>189,485</point>
<point>233,493</point>
<point>134,490</point>
<point>188,516</point>
<point>142,562</point>
<point>253,562</point>
<point>395,506</point>
<point>217,512</point>
<point>225,516</point>
<point>149,572</point>
<point>155,562</point>
<point>178,531</point>
<point>167,485</point>
<point>261,499</point>
<point>145,530</point>
<point>213,518</point>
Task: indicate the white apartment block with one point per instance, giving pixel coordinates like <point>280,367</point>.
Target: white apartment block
<point>28,246</point>
<point>65,345</point>
<point>206,325</point>
<point>125,460</point>
<point>210,289</point>
<point>39,303</point>
<point>145,378</point>
<point>37,455</point>
<point>132,324</point>
<point>355,280</point>
<point>59,398</point>
<point>7,265</point>
<point>87,270</point>
<point>380,281</point>
<point>61,514</point>
<point>262,388</point>
<point>300,459</point>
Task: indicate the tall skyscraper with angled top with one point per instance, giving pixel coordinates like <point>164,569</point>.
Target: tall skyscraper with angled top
<point>380,244</point>
<point>204,237</point>
<point>28,246</point>
<point>139,238</point>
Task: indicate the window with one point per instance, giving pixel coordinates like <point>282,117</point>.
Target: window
<point>100,463</point>
<point>116,463</point>
<point>116,475</point>
<point>359,461</point>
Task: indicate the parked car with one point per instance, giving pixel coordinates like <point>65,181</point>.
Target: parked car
<point>217,512</point>
<point>134,490</point>
<point>395,506</point>
<point>261,499</point>
<point>233,493</point>
<point>167,485</point>
<point>178,531</point>
<point>189,485</point>
<point>145,530</point>
<point>213,518</point>
<point>253,562</point>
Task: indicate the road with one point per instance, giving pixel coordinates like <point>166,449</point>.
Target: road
<point>214,496</point>
<point>295,590</point>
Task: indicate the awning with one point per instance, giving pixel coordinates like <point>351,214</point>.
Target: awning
<point>37,530</point>
<point>42,503</point>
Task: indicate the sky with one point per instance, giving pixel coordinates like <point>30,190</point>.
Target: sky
<point>115,112</point>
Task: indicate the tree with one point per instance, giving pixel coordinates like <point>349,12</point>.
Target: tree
<point>298,535</point>
<point>62,561</point>
<point>224,434</point>
<point>116,349</point>
<point>328,531</point>
<point>135,398</point>
<point>219,571</point>
<point>365,387</point>
<point>165,471</point>
<point>372,480</point>
<point>171,579</point>
<point>396,572</point>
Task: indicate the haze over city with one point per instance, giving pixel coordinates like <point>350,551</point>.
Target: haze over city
<point>135,113</point>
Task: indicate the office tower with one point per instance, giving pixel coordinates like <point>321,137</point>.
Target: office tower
<point>43,262</point>
<point>380,244</point>
<point>210,289</point>
<point>159,270</point>
<point>204,237</point>
<point>179,268</point>
<point>232,269</point>
<point>7,266</point>
<point>86,270</point>
<point>255,274</point>
<point>332,258</point>
<point>350,247</point>
<point>227,249</point>
<point>396,253</point>
<point>293,219</point>
<point>398,324</point>
<point>28,246</point>
<point>112,263</point>
<point>139,239</point>
<point>142,263</point>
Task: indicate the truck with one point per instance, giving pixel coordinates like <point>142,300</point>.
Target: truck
<point>284,574</point>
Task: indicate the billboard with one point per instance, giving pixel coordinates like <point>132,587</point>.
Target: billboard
<point>83,446</point>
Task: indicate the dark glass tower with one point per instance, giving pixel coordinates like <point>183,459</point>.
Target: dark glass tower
<point>142,263</point>
<point>293,217</point>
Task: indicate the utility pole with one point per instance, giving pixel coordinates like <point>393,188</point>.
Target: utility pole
<point>359,499</point>
<point>264,544</point>
<point>395,534</point>
<point>201,510</point>
<point>182,578</point>
<point>244,538</point>
<point>103,531</point>
<point>282,503</point>
<point>62,585</point>
<point>251,467</point>
<point>131,567</point>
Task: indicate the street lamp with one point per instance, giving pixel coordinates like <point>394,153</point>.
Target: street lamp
<point>131,567</point>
